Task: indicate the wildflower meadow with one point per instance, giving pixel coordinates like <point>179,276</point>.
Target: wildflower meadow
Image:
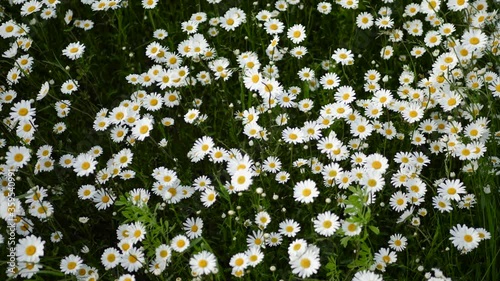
<point>254,140</point>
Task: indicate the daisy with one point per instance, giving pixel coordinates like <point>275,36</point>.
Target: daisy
<point>430,7</point>
<point>282,177</point>
<point>376,162</point>
<point>149,4</point>
<point>297,248</point>
<point>474,39</point>
<point>306,74</point>
<point>324,8</point>
<point>442,204</point>
<point>483,234</point>
<point>366,275</point>
<point>84,164</point>
<point>142,128</point>
<point>71,264</point>
<point>262,219</point>
<point>30,249</point>
<point>189,27</point>
<point>296,33</point>
<point>110,258</point>
<point>74,50</point>
<point>103,199</point>
<point>305,191</point>
<point>274,239</point>
<point>239,261</point>
<point>9,29</point>
<point>153,102</point>
<point>22,111</point>
<point>160,34</point>
<point>137,232</point>
<point>399,201</point>
<point>163,253</point>
<point>361,128</point>
<point>86,192</point>
<point>292,135</point>
<point>329,81</point>
<point>208,197</point>
<point>256,239</point>
<point>305,105</point>
<point>298,52</point>
<point>386,256</point>
<point>69,87</point>
<point>326,224</point>
<point>364,20</point>
<point>193,227</point>
<point>307,263</point>
<point>464,238</point>
<point>273,26</point>
<point>397,242</point>
<point>343,56</point>
<point>255,256</point>
<point>372,181</point>
<point>203,263</point>
<point>451,189</point>
<point>416,186</point>
<point>218,154</point>
<point>272,164</point>
<point>345,95</point>
<point>387,52</point>
<point>17,156</point>
<point>191,116</point>
<point>132,260</point>
<point>203,146</point>
<point>230,22</point>
<point>457,5</point>
<point>311,130</point>
<point>289,228</point>
<point>384,22</point>
<point>128,277</point>
<point>351,228</point>
<point>413,113</point>
<point>432,38</point>
<point>41,209</point>
<point>241,179</point>
<point>30,7</point>
<point>252,79</point>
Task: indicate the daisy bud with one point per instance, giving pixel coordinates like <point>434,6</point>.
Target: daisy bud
<point>487,189</point>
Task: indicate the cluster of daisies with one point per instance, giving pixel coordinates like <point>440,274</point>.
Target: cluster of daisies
<point>431,110</point>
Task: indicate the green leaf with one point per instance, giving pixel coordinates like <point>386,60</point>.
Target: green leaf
<point>374,229</point>
<point>344,241</point>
